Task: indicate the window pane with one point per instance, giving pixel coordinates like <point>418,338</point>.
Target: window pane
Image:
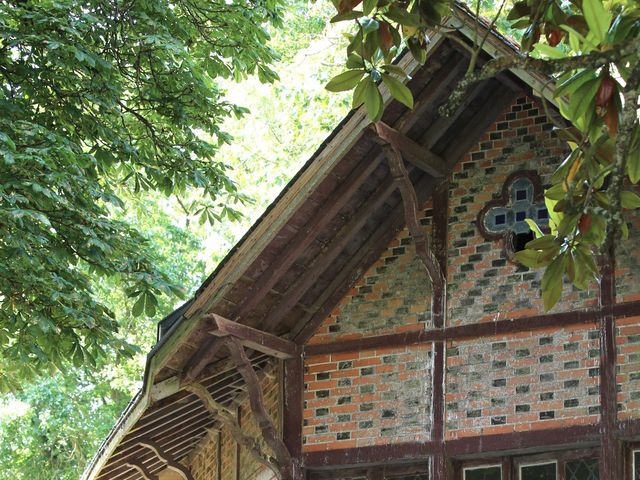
<point>483,473</point>
<point>584,469</point>
<point>546,471</point>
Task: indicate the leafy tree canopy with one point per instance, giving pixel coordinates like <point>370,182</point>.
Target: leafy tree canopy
<point>99,98</point>
<point>590,49</point>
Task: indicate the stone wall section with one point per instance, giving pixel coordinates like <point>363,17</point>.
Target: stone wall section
<point>371,397</point>
<point>523,381</point>
<point>482,284</point>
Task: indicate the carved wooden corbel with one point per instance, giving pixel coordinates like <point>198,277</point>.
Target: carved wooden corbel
<point>256,400</point>
<point>142,470</point>
<point>229,420</point>
<point>423,250</point>
<point>168,458</point>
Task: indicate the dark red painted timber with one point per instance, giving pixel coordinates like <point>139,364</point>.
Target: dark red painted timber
<point>610,449</point>
<point>547,438</point>
<point>373,455</point>
<point>293,412</point>
<point>476,330</point>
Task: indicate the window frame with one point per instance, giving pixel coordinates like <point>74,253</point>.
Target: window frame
<point>548,461</point>
<point>484,465</point>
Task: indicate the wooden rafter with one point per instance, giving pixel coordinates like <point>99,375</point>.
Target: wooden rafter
<point>229,420</point>
<point>330,209</point>
<point>256,401</point>
<point>412,151</point>
<point>203,357</point>
<point>252,337</point>
<point>168,458</point>
<point>142,470</point>
<point>342,238</point>
<point>359,262</point>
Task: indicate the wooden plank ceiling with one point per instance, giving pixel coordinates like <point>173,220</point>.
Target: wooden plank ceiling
<point>339,231</point>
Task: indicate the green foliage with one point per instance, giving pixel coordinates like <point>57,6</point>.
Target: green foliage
<point>591,48</point>
<point>98,101</point>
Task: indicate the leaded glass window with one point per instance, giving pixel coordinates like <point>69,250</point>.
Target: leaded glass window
<point>583,469</point>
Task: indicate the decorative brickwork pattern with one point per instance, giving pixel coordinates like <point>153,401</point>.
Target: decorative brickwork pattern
<point>204,462</point>
<point>365,398</point>
<point>541,379</point>
<point>483,285</point>
<point>628,263</point>
<point>628,367</point>
<point>394,295</point>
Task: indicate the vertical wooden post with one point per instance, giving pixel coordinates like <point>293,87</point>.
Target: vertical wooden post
<point>610,450</point>
<point>219,466</point>
<point>440,467</point>
<point>237,467</point>
<point>293,385</point>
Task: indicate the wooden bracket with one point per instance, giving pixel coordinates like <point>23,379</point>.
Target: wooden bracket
<point>256,400</point>
<point>229,420</point>
<point>253,338</point>
<point>142,470</point>
<point>203,357</point>
<point>412,151</point>
<point>411,209</point>
<point>168,458</point>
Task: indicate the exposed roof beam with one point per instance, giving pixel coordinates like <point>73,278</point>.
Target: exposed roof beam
<point>411,151</point>
<point>336,201</point>
<point>252,337</point>
<point>366,255</point>
<point>437,85</point>
<point>203,357</point>
<point>342,238</point>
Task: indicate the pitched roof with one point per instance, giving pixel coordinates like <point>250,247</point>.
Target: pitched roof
<point>298,260</point>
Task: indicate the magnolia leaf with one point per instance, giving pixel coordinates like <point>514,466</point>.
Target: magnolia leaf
<point>345,81</point>
<point>552,282</point>
<point>373,101</point>
<point>359,91</point>
<point>398,90</point>
<point>633,165</point>
<point>597,17</point>
<point>629,199</point>
<point>534,227</point>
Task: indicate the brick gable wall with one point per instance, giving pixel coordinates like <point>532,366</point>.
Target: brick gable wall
<point>541,379</point>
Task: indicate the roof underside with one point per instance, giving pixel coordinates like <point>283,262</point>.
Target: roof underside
<point>312,261</point>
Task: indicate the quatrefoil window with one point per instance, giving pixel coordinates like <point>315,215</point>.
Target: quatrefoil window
<point>521,198</point>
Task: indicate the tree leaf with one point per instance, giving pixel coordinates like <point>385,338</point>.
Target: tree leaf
<point>597,17</point>
<point>398,90</point>
<point>629,199</point>
<point>373,101</point>
<point>359,92</point>
<point>344,81</point>
<point>552,282</point>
